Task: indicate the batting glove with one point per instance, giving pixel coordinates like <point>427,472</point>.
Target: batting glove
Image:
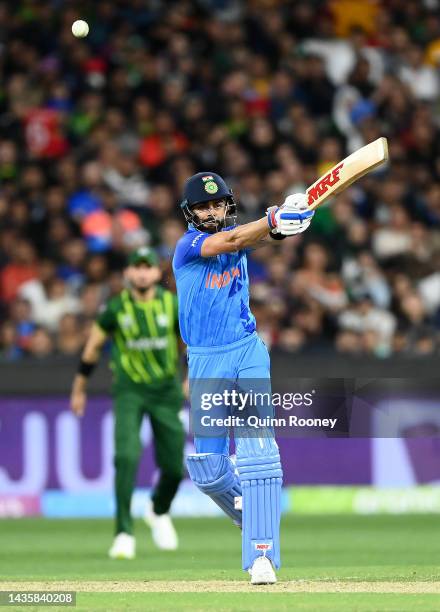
<point>292,217</point>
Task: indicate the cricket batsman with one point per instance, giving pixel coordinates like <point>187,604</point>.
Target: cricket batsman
<point>142,322</point>
<point>219,329</point>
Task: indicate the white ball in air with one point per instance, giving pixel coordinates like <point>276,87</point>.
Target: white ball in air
<point>80,28</point>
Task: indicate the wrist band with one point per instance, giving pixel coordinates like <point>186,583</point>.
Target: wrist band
<point>85,368</point>
<point>271,218</point>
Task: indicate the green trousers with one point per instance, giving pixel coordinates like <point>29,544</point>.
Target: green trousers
<point>162,405</point>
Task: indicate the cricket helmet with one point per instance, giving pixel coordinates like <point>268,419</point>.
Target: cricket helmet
<point>203,187</point>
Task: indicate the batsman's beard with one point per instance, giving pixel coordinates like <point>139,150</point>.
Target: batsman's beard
<point>212,224</point>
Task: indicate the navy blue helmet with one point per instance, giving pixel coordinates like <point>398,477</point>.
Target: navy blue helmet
<point>203,187</point>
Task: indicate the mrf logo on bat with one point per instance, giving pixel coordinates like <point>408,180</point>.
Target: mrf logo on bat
<point>327,181</point>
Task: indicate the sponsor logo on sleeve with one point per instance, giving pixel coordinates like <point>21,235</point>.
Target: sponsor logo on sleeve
<point>196,239</point>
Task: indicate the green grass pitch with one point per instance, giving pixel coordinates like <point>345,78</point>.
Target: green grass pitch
<point>342,562</point>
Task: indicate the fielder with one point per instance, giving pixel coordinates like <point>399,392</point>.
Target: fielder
<point>219,329</point>
<point>142,322</point>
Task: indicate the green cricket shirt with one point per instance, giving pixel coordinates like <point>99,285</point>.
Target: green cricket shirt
<point>144,348</point>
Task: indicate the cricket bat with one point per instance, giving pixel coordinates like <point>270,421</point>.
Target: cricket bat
<point>347,171</point>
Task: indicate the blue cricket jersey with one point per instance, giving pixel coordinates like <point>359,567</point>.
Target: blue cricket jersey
<point>213,293</point>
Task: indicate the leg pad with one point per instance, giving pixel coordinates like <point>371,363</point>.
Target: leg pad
<point>261,480</point>
<point>215,475</point>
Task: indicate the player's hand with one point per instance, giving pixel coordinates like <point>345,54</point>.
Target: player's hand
<point>292,217</point>
<point>78,401</point>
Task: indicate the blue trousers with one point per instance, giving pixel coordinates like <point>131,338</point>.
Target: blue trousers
<point>249,492</point>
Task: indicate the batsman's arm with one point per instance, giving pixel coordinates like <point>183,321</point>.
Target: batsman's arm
<point>291,218</point>
<point>89,358</point>
<point>241,237</point>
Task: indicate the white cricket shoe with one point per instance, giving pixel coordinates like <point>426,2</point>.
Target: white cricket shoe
<point>123,547</point>
<point>262,571</point>
<point>162,529</point>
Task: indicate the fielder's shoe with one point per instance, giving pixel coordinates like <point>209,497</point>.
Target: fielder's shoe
<point>262,571</point>
<point>162,529</point>
<point>123,547</point>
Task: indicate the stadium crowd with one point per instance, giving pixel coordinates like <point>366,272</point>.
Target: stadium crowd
<point>98,135</point>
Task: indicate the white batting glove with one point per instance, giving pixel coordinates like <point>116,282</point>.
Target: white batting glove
<point>292,217</point>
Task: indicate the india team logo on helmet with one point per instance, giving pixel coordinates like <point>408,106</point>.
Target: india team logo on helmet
<point>211,187</point>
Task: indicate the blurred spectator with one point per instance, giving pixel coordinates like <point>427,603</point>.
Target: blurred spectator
<point>422,78</point>
<point>71,269</point>
<point>70,340</point>
<point>376,325</point>
<point>41,344</point>
<point>57,303</point>
<point>9,349</point>
<point>362,275</point>
<point>20,269</point>
<point>349,342</point>
<point>35,291</point>
<point>91,298</point>
<point>21,317</point>
<point>165,141</point>
<point>394,238</point>
<point>292,339</point>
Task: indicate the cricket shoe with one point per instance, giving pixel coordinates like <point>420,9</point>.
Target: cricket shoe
<point>123,547</point>
<point>262,571</point>
<point>162,529</point>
